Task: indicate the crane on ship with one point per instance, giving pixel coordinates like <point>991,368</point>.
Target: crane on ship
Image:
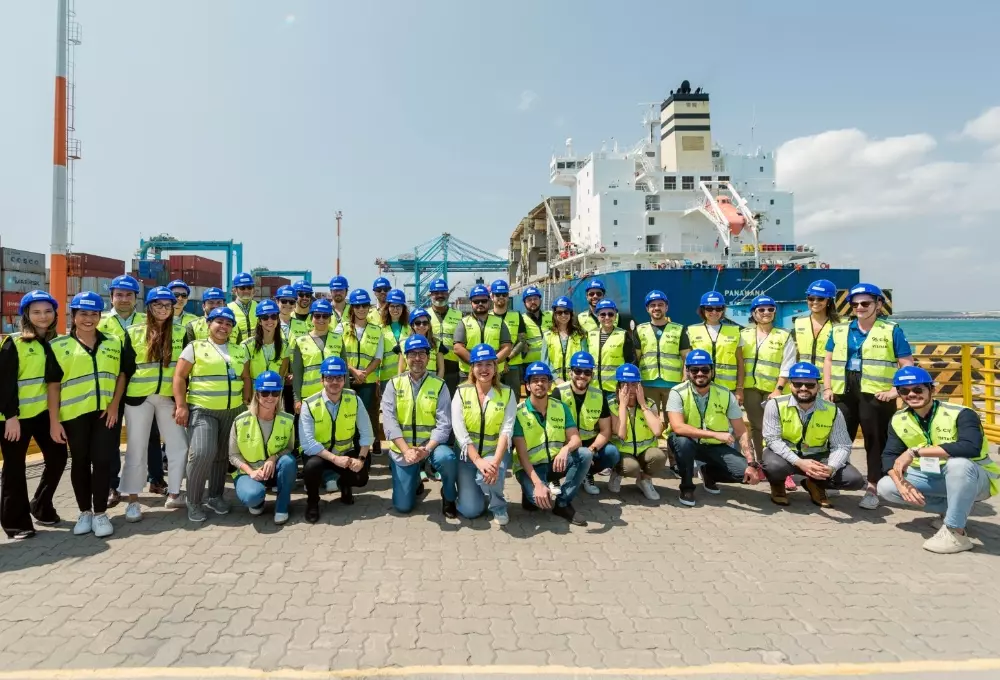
<point>154,247</point>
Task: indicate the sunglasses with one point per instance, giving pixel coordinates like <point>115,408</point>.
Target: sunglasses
<point>699,370</point>
<point>479,302</point>
<point>286,302</point>
<point>559,312</point>
<point>421,322</point>
<point>364,306</point>
<point>180,296</point>
<point>595,293</point>
<point>766,310</point>
<point>806,385</point>
<point>500,295</point>
<point>583,371</point>
<point>244,287</point>
<point>321,317</point>
<point>269,394</point>
<point>715,309</point>
<point>606,315</point>
<point>906,391</point>
<point>305,295</point>
<point>813,298</point>
<point>268,317</point>
<point>863,304</point>
<point>381,290</point>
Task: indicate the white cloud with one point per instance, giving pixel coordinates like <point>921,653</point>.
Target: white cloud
<point>985,128</point>
<point>527,100</point>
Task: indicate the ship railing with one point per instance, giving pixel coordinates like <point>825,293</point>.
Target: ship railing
<point>966,373</point>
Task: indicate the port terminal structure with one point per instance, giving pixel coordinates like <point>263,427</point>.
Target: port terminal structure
<point>437,259</point>
<point>154,247</point>
<point>294,274</point>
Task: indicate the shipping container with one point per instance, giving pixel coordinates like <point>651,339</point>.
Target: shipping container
<point>9,303</point>
<point>198,292</point>
<point>99,285</point>
<point>85,264</point>
<point>22,282</point>
<point>72,285</point>
<point>200,278</point>
<point>194,307</point>
<point>23,261</point>
<point>202,264</point>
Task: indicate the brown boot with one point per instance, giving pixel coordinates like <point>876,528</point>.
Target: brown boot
<point>778,494</point>
<point>817,494</point>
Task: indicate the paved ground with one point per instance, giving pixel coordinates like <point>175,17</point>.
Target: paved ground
<point>645,586</point>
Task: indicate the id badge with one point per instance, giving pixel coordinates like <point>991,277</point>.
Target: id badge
<point>232,373</point>
<point>931,466</point>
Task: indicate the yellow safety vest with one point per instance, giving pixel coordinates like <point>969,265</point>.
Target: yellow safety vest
<point>815,441</point>
<point>490,334</point>
<point>111,324</point>
<point>723,350</point>
<point>312,360</point>
<point>298,327</point>
<point>638,435</point>
<point>484,422</point>
<point>246,319</point>
<point>543,443</point>
<point>512,320</point>
<point>589,415</point>
<point>375,315</point>
<point>608,356</point>
<point>359,355</point>
<point>259,363</point>
<point>444,330</point>
<point>417,415</point>
<point>214,382</point>
<point>152,377</point>
<point>199,327</point>
<point>250,438</point>
<point>811,347</point>
<point>878,358</point>
<point>335,436</point>
<point>660,358</point>
<point>588,323</point>
<point>32,390</point>
<point>184,319</point>
<point>557,359</point>
<point>88,382</point>
<point>761,369</point>
<point>533,336</point>
<point>715,418</point>
<point>391,349</point>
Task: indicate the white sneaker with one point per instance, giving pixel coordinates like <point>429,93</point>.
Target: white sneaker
<point>869,502</point>
<point>331,485</point>
<point>259,510</point>
<point>175,503</point>
<point>501,517</point>
<point>648,490</point>
<point>946,541</point>
<point>615,482</point>
<point>85,524</point>
<point>102,526</point>
<point>280,517</point>
<point>590,487</point>
<point>133,512</point>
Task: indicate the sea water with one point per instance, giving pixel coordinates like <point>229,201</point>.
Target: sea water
<point>951,330</point>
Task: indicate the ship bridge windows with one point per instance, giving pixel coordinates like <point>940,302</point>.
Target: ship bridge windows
<point>723,178</point>
<point>706,178</point>
<point>687,182</point>
<point>670,183</point>
<point>651,221</point>
<point>652,202</point>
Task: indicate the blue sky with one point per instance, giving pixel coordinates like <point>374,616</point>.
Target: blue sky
<point>257,120</point>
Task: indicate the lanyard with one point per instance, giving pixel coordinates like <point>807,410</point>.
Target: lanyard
<point>930,419</point>
<point>805,427</point>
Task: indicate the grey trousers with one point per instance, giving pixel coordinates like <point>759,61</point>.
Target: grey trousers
<point>753,403</point>
<point>776,468</point>
<point>208,451</point>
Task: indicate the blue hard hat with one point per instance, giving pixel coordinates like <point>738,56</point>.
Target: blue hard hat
<point>160,293</point>
<point>418,313</point>
<point>359,296</point>
<point>88,301</point>
<point>323,306</point>
<point>698,357</point>
<point>582,360</point>
<point>627,373</point>
<point>762,301</point>
<point>333,366</point>
<point>803,371</point>
<point>438,286</point>
<point>242,279</point>
<point>865,289</point>
<point>479,291</point>
<point>178,283</point>
<point>822,288</point>
<point>213,294</point>
<point>537,368</point>
<point>908,376</point>
<point>713,298</point>
<point>302,287</point>
<point>36,296</point>
<point>499,286</point>
<point>656,295</point>
<point>381,282</point>
<point>124,282</point>
<point>605,304</point>
<point>395,297</point>
<point>285,293</point>
<point>222,313</point>
<point>267,307</point>
<point>530,291</point>
<point>338,283</point>
<point>562,303</point>
<point>595,284</point>
<point>268,381</point>
<point>482,352</point>
<point>415,342</point>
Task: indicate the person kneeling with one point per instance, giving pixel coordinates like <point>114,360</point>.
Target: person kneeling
<point>807,439</point>
<point>548,448</point>
<point>336,435</point>
<point>592,416</point>
<point>637,426</point>
<point>260,448</point>
<point>938,459</point>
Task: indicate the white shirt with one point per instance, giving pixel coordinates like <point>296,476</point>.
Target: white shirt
<point>461,432</point>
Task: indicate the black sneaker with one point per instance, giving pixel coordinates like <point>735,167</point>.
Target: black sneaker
<point>687,497</point>
<point>346,495</point>
<point>706,478</point>
<point>527,504</point>
<point>47,518</point>
<point>312,513</point>
<point>449,509</point>
<point>568,513</point>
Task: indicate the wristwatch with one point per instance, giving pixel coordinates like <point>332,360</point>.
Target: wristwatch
<point>754,464</point>
<point>915,450</point>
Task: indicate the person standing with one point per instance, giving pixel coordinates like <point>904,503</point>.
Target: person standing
<point>286,298</point>
<point>592,416</point>
<point>182,292</point>
<point>338,296</point>
<point>444,321</point>
<point>609,345</point>
<point>244,306</point>
<point>211,299</point>
<point>300,322</point>
<point>29,377</point>
<point>587,319</point>
<point>563,340</point>
<point>380,287</point>
<point>813,330</point>
<point>310,350</point>
<point>659,343</point>
<point>267,348</point>
<point>364,347</point>
<point>636,426</point>
<point>481,327</point>
<point>722,340</point>
<point>862,356</point>
<point>420,324</point>
<point>536,322</point>
<point>510,370</point>
<point>395,329</point>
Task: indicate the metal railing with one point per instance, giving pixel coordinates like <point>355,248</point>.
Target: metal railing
<point>966,373</point>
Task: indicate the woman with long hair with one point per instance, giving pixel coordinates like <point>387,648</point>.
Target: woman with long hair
<point>721,339</point>
<point>364,346</point>
<point>565,339</point>
<point>420,324</point>
<point>268,349</point>
<point>395,330</point>
<point>812,331</point>
<point>29,374</point>
<point>154,346</point>
<point>309,351</point>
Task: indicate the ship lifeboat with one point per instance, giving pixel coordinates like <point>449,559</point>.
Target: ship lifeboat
<point>736,221</point>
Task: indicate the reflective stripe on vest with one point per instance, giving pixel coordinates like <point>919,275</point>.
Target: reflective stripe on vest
<point>246,319</point>
<point>444,330</point>
<point>608,356</point>
<point>638,434</point>
<point>557,359</point>
<point>811,347</point>
<point>543,443</point>
<point>345,427</point>
<point>484,422</point>
<point>878,358</point>
<point>359,355</point>
<point>815,443</point>
<point>259,362</point>
<point>391,349</point>
<point>211,385</point>
<point>533,336</point>
<point>660,358</point>
<point>88,382</point>
<point>250,438</point>
<point>416,414</point>
<point>588,416</point>
<point>490,334</point>
<point>761,369</point>
<point>723,350</point>
<point>111,324</point>
<point>152,377</point>
<point>32,390</point>
<point>312,360</point>
<point>715,418</point>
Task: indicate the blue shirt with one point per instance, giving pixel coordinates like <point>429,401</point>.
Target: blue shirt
<point>855,338</point>
<point>307,427</point>
<point>570,422</point>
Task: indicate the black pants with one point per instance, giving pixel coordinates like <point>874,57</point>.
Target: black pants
<point>154,456</point>
<point>872,416</point>
<point>286,395</point>
<point>723,462</point>
<point>15,510</point>
<point>114,456</point>
<point>451,376</point>
<point>91,442</point>
<point>368,394</point>
<point>312,475</point>
<point>776,469</point>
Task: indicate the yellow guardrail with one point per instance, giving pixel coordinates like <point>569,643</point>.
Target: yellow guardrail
<point>966,373</point>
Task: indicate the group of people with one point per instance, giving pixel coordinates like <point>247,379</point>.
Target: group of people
<point>254,387</point>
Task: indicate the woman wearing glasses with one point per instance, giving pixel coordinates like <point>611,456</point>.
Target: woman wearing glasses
<point>309,352</point>
<point>565,339</point>
<point>721,339</point>
<point>420,324</point>
<point>364,346</point>
<point>861,359</point>
<point>395,330</point>
<point>268,350</point>
<point>811,332</point>
<point>610,346</point>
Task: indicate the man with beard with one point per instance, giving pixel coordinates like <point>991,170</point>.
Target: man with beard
<point>444,320</point>
<point>338,296</point>
<point>381,288</point>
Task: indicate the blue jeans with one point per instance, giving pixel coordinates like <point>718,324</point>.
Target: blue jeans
<point>473,489</point>
<point>251,492</point>
<point>406,478</point>
<point>607,457</point>
<point>577,468</point>
<point>951,493</point>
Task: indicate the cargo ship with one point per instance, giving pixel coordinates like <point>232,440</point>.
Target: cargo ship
<point>674,212</point>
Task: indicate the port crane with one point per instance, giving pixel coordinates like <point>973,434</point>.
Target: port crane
<point>155,246</point>
<point>294,274</point>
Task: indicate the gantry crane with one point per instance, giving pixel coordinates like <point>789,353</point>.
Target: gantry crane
<point>157,245</point>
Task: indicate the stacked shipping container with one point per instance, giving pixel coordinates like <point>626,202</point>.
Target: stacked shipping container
<point>267,286</point>
<point>196,270</point>
<point>21,271</point>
